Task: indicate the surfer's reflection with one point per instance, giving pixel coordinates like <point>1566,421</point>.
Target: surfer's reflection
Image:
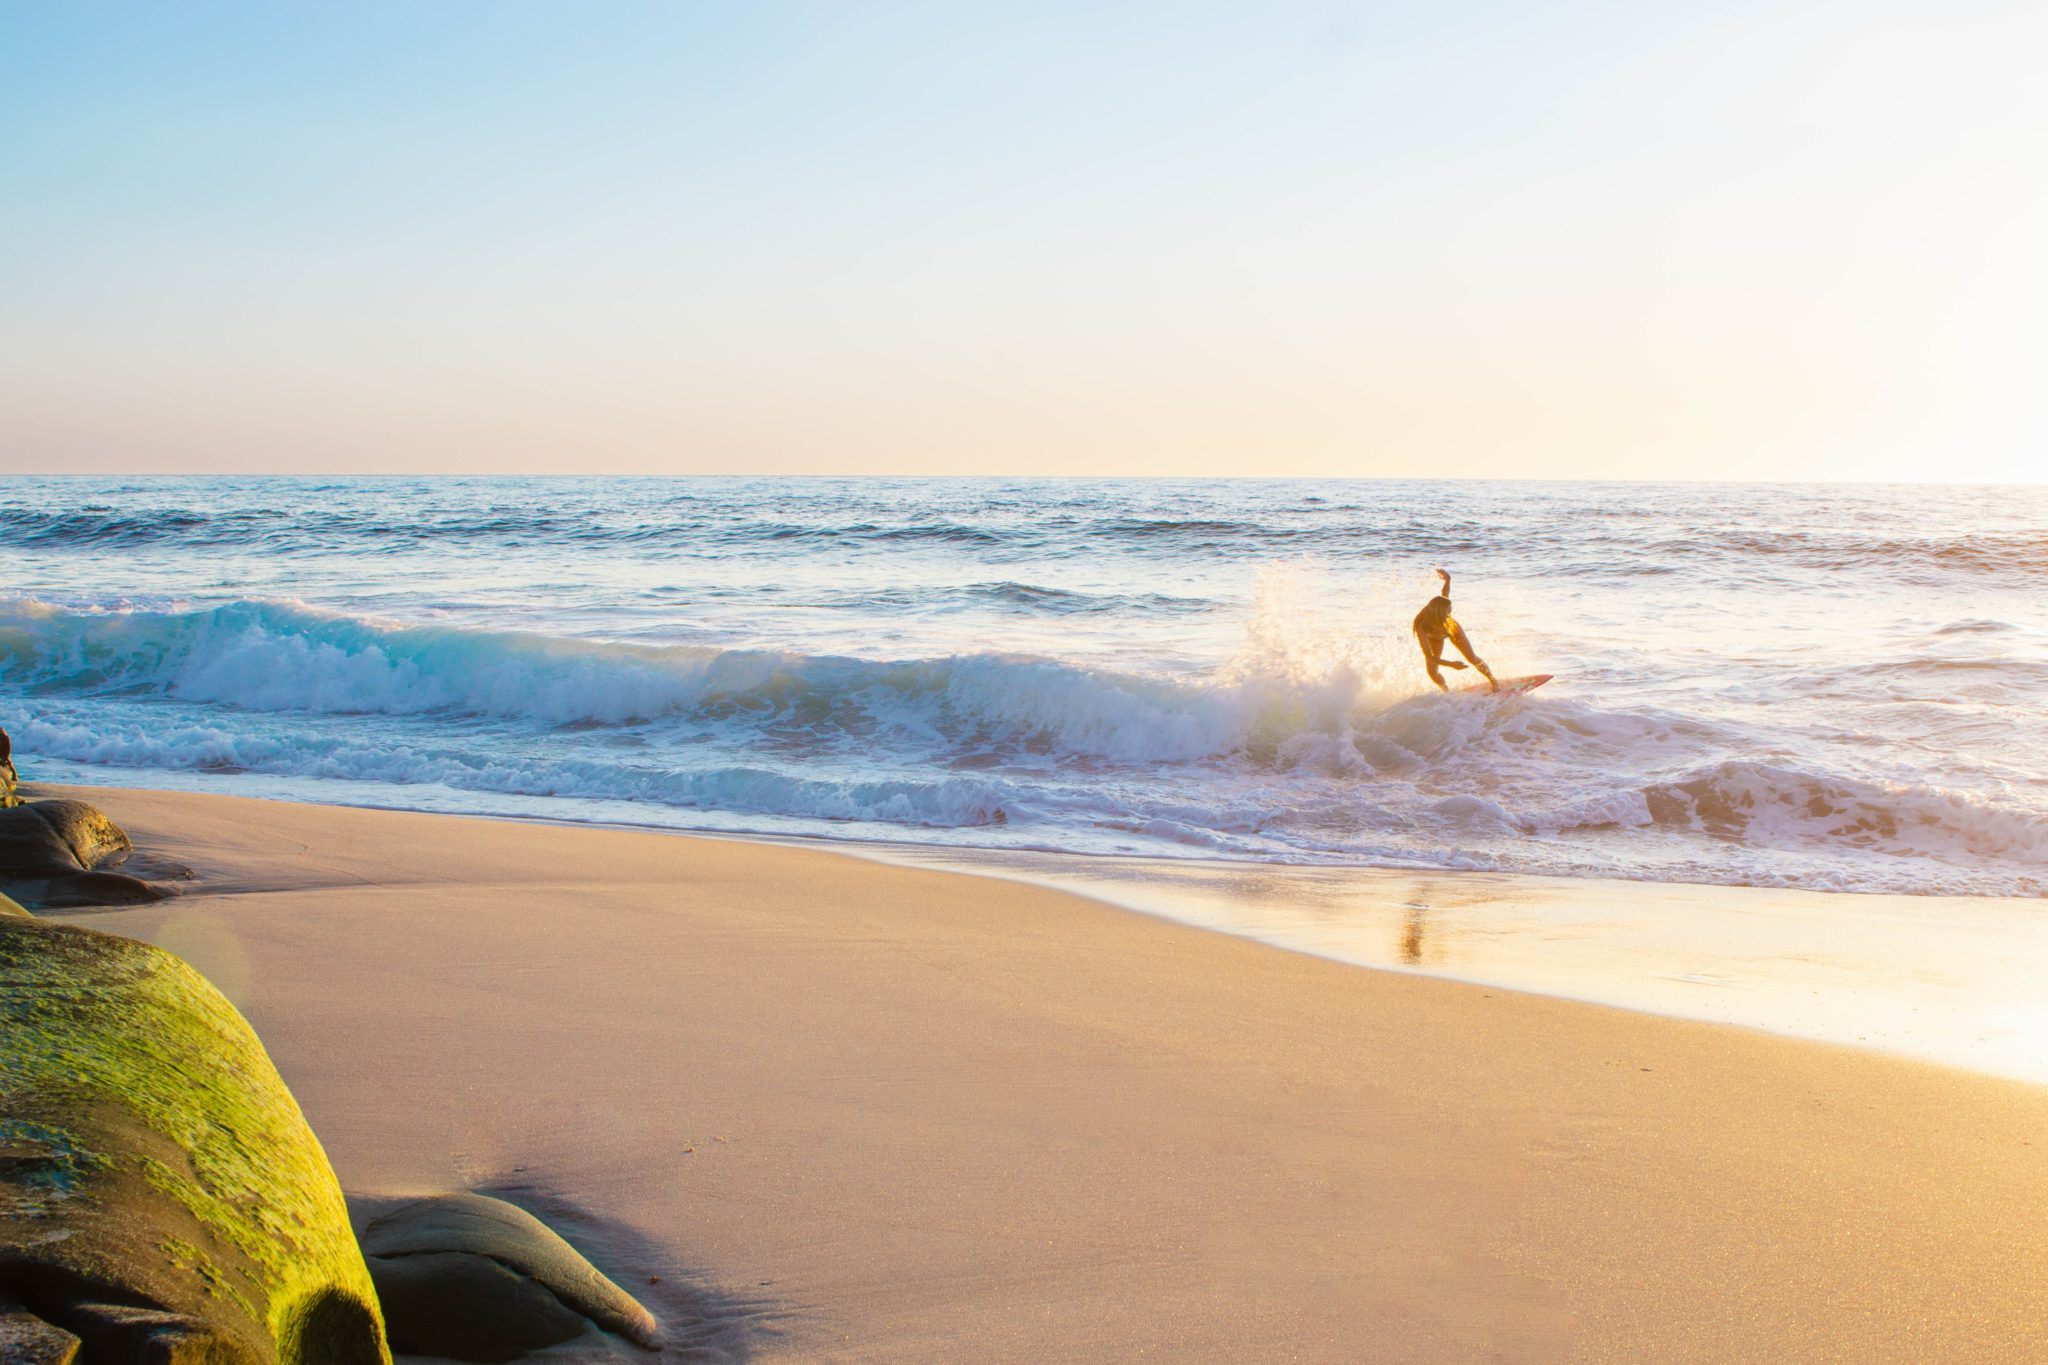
<point>1412,931</point>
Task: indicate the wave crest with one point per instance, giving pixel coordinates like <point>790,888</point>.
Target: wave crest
<point>1314,743</point>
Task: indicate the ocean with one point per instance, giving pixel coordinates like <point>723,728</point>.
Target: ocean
<point>1818,686</point>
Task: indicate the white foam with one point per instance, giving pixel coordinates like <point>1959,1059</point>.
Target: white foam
<point>1313,743</point>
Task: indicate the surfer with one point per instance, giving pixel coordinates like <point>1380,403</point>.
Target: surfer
<point>1433,626</point>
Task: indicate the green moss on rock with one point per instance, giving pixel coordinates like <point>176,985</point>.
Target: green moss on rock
<point>159,1188</point>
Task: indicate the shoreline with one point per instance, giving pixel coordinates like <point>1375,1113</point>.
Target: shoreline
<point>201,781</point>
<point>1951,980</point>
<point>883,1113</point>
<point>1945,979</point>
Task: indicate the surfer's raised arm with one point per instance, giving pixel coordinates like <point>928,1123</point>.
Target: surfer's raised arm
<point>1434,627</point>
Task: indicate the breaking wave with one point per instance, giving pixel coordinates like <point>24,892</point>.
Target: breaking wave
<point>277,657</point>
<point>1308,745</point>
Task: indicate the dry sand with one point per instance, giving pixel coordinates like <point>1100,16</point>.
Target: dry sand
<point>862,1112</point>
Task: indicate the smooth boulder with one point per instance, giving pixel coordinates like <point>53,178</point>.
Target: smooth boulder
<point>30,847</point>
<point>100,888</point>
<point>57,838</point>
<point>92,838</point>
<point>161,1197</point>
<point>476,1278</point>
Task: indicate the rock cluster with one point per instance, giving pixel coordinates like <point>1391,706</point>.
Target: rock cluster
<point>162,1201</point>
<point>56,854</point>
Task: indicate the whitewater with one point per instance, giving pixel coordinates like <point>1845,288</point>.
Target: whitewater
<point>1830,687</point>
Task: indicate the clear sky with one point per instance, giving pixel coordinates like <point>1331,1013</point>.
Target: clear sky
<point>1720,239</point>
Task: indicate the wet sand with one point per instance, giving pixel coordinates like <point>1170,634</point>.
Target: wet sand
<point>1949,979</point>
<point>846,1110</point>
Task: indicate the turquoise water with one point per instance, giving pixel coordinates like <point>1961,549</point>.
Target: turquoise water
<point>1828,687</point>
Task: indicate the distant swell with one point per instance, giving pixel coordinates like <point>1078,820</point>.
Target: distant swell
<point>1595,543</point>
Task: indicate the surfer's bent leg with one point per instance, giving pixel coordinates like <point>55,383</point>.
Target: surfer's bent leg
<point>1465,648</point>
<point>1433,657</point>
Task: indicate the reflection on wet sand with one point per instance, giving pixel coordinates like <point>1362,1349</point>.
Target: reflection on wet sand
<point>1947,978</point>
<point>1411,937</point>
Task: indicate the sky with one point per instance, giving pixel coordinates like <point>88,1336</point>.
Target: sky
<point>1795,240</point>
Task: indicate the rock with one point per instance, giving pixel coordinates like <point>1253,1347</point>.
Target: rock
<point>53,838</point>
<point>466,1307</point>
<point>26,1339</point>
<point>117,1331</point>
<point>92,838</point>
<point>29,847</point>
<point>10,906</point>
<point>161,1198</point>
<point>476,1278</point>
<point>100,888</point>
<point>8,779</point>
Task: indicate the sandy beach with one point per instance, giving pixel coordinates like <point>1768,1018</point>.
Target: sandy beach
<point>1023,683</point>
<point>844,1110</point>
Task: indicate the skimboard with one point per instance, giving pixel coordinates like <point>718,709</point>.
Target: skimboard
<point>1507,685</point>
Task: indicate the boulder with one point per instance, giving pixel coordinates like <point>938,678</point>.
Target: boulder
<point>29,847</point>
<point>93,839</point>
<point>161,1198</point>
<point>464,1307</point>
<point>52,838</point>
<point>476,1278</point>
<point>100,888</point>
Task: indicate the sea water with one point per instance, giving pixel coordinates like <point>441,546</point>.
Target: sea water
<point>1821,686</point>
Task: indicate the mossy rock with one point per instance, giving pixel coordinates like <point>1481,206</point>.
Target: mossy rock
<point>161,1197</point>
<point>475,1278</point>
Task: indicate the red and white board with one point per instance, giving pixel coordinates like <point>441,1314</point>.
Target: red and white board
<point>1528,684</point>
